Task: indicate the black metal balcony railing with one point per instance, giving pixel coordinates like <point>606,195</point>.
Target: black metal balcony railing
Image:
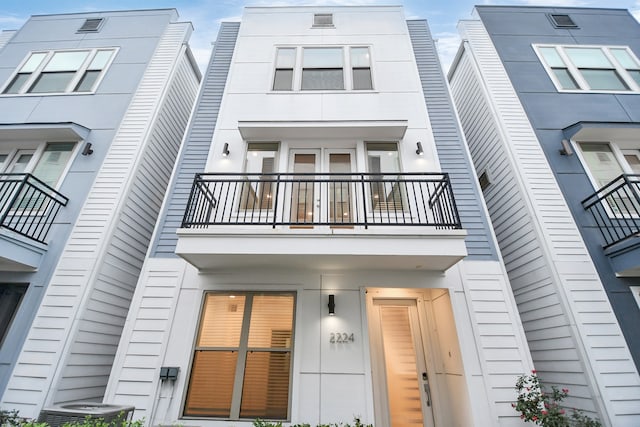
<point>616,209</point>
<point>28,206</point>
<point>338,200</point>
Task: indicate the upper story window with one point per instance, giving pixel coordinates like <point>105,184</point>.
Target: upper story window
<point>241,365</point>
<point>65,71</point>
<point>323,68</point>
<point>591,68</point>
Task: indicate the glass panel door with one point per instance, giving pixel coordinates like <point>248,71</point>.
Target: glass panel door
<point>340,190</point>
<point>403,388</point>
<point>304,192</point>
<point>604,168</point>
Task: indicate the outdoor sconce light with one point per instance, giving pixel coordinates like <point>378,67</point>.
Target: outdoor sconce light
<point>566,149</point>
<point>225,149</point>
<point>419,151</point>
<point>332,305</point>
<point>87,150</point>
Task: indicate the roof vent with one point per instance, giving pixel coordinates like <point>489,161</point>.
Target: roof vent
<point>323,20</point>
<point>562,21</point>
<point>91,25</point>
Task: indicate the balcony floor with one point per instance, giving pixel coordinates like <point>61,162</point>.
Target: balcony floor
<point>322,248</point>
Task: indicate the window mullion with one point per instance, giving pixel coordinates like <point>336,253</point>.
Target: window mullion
<point>236,399</point>
<point>621,70</point>
<point>34,75</point>
<point>81,70</point>
<point>573,70</point>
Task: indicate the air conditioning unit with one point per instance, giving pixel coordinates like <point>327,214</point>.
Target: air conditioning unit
<point>58,415</point>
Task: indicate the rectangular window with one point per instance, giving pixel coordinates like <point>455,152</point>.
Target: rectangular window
<point>242,360</point>
<point>60,71</point>
<point>605,163</point>
<point>386,189</point>
<point>361,68</point>
<point>285,63</point>
<point>10,298</point>
<point>257,191</point>
<point>591,68</point>
<point>322,68</point>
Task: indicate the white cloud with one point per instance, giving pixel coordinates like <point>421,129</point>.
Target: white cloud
<point>447,45</point>
<point>11,22</point>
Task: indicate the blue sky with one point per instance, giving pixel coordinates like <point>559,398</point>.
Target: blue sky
<point>206,15</point>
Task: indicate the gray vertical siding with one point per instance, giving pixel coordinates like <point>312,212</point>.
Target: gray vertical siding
<point>193,156</point>
<point>450,145</point>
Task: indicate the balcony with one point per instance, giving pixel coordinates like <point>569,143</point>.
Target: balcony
<point>616,211</point>
<point>28,209</point>
<point>324,221</point>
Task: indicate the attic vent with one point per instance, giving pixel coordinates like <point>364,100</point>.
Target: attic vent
<point>562,21</point>
<point>484,180</point>
<point>91,25</point>
<point>323,20</point>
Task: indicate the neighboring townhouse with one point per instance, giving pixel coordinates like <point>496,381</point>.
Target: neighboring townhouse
<point>94,107</point>
<point>324,252</point>
<point>549,99</point>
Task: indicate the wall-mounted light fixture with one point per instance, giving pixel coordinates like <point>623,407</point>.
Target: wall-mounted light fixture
<point>332,305</point>
<point>87,150</point>
<point>225,149</point>
<point>566,149</point>
<point>419,151</point>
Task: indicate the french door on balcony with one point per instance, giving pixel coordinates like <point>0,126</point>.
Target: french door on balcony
<point>316,197</point>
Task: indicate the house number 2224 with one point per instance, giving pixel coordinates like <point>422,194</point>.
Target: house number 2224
<point>341,338</point>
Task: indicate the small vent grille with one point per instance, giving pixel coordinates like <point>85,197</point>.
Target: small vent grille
<point>323,20</point>
<point>562,21</point>
<point>484,180</point>
<point>91,25</point>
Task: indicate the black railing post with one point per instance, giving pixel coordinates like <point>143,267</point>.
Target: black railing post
<point>364,203</point>
<point>275,202</point>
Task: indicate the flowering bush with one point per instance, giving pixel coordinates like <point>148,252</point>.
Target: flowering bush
<point>543,409</point>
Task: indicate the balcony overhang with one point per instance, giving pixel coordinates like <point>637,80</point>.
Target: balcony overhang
<point>602,131</point>
<point>51,132</point>
<point>403,248</point>
<point>361,129</point>
<point>18,253</point>
<point>625,257</point>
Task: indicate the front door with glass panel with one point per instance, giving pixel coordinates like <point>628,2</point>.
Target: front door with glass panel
<point>321,191</point>
<point>400,378</point>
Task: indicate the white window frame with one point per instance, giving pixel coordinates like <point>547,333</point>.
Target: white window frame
<point>618,154</point>
<point>37,149</point>
<point>27,85</point>
<point>575,73</point>
<point>242,347</point>
<point>347,70</point>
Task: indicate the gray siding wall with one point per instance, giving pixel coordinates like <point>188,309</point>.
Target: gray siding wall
<point>77,326</point>
<point>5,36</point>
<point>550,111</point>
<point>100,112</point>
<point>193,156</point>
<point>88,366</point>
<point>547,328</point>
<point>453,154</point>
